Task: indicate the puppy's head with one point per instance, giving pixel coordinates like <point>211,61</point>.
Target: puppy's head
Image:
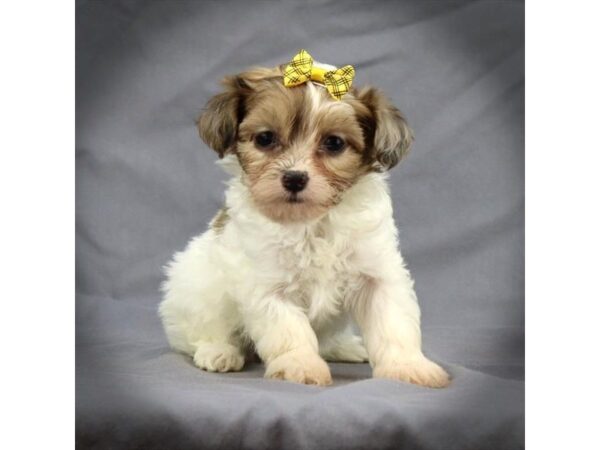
<point>300,149</point>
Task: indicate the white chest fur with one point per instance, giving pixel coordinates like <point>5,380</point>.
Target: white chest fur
<point>314,265</point>
<point>317,269</point>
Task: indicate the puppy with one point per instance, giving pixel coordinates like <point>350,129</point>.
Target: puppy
<point>305,244</point>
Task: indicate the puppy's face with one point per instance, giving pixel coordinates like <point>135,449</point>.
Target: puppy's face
<point>300,149</point>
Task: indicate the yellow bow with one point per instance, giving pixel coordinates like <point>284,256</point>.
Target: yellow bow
<point>301,69</point>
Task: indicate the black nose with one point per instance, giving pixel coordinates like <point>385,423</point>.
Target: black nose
<point>294,180</point>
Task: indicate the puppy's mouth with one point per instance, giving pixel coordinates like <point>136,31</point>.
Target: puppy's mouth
<point>294,198</point>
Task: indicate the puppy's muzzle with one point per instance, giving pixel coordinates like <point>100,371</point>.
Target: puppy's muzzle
<point>294,180</point>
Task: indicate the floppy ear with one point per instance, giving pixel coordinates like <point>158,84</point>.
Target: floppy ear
<point>218,123</point>
<point>390,136</point>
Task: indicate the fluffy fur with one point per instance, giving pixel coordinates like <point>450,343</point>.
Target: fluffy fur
<point>284,274</point>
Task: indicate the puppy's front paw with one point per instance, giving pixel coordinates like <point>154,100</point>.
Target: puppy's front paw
<point>218,357</point>
<point>299,366</point>
<point>415,369</point>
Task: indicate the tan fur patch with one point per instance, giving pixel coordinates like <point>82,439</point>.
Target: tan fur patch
<point>392,137</point>
<point>220,220</point>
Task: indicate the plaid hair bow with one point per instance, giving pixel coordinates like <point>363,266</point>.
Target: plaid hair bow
<point>301,69</point>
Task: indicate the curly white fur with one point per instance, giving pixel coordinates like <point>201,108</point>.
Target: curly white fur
<point>293,289</point>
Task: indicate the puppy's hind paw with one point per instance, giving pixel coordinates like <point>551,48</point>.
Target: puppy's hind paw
<point>218,357</point>
<point>299,367</point>
<point>416,369</point>
<point>344,348</point>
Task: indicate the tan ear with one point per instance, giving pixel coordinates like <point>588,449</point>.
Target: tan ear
<point>218,124</point>
<point>221,116</point>
<point>391,136</point>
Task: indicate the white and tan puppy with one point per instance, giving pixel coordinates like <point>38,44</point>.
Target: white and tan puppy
<point>306,242</point>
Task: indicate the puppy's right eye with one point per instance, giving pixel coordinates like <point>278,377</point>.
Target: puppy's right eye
<point>265,140</point>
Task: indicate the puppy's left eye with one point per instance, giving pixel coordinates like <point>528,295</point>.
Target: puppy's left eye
<point>334,144</point>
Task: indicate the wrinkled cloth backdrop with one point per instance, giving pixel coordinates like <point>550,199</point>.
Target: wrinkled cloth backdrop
<point>146,184</point>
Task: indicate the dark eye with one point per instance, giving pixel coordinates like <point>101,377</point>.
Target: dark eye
<point>334,144</point>
<point>264,139</point>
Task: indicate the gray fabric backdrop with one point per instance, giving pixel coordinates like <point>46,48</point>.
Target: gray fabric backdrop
<point>146,184</point>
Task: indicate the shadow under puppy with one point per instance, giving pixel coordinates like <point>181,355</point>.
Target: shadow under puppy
<point>306,242</point>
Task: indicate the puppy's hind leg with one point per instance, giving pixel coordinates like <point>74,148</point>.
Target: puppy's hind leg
<point>218,357</point>
<point>199,317</point>
<point>344,346</point>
